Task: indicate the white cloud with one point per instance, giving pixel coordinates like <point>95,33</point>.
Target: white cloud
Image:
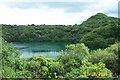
<point>46,15</point>
<point>39,16</point>
<point>49,0</point>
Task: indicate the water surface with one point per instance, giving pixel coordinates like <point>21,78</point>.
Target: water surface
<point>48,49</point>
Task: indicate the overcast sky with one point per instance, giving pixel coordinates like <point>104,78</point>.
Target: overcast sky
<point>53,11</point>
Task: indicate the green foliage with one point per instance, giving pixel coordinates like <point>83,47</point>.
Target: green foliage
<point>101,37</point>
<point>56,70</point>
<point>77,61</point>
<point>108,56</point>
<point>90,70</point>
<point>98,70</point>
<point>80,63</point>
<point>54,33</point>
<point>77,49</point>
<point>72,57</point>
<point>39,33</point>
<point>8,72</point>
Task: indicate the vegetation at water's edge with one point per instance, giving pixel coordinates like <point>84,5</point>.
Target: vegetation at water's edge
<point>100,59</point>
<point>43,50</point>
<point>76,62</point>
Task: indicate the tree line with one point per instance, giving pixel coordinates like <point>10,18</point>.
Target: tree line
<point>97,29</point>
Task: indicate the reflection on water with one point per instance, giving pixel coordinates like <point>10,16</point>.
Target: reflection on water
<point>48,49</point>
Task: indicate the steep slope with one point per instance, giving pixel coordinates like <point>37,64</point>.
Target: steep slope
<point>101,37</point>
<point>98,20</point>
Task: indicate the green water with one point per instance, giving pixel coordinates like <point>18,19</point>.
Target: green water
<point>48,49</point>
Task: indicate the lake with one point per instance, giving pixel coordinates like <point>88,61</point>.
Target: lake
<point>48,49</point>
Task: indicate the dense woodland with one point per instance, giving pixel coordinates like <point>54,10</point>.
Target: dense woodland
<point>98,28</point>
<point>94,51</point>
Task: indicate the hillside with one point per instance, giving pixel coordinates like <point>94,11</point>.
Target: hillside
<point>96,21</point>
<point>55,33</point>
<point>101,37</point>
<point>99,20</point>
<point>102,31</point>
